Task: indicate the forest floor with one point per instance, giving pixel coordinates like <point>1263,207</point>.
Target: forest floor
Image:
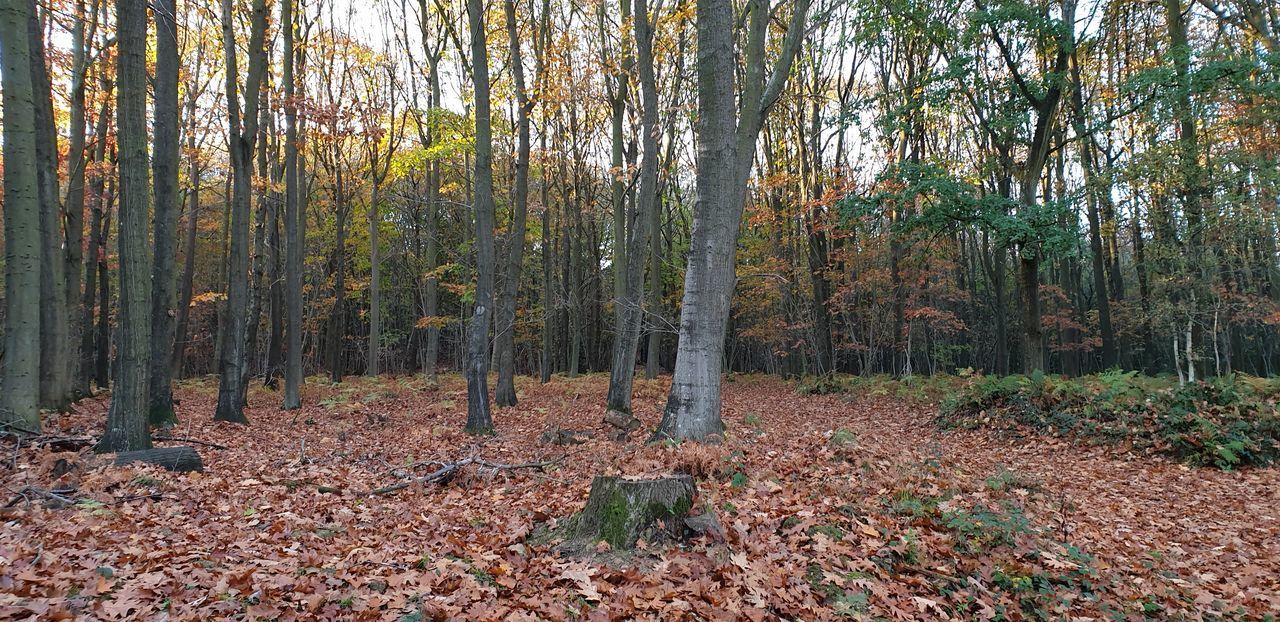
<point>833,507</point>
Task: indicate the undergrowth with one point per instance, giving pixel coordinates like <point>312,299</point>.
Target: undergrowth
<point>1225,422</point>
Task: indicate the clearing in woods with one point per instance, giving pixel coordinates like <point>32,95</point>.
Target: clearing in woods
<point>832,507</point>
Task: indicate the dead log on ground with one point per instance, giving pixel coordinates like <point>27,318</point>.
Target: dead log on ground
<point>180,459</point>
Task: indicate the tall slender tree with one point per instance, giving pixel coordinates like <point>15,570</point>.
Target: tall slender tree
<point>295,240</point>
<point>479,418</point>
<point>628,309</point>
<point>243,132</point>
<point>164,170</point>
<point>55,380</point>
<point>505,326</point>
<point>127,417</point>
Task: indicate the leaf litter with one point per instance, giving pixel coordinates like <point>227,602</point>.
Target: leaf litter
<point>833,508</point>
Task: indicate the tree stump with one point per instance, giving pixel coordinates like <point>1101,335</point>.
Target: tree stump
<point>179,459</point>
<point>619,511</point>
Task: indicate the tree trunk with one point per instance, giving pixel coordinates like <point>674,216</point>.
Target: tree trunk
<point>126,428</point>
<point>295,253</point>
<point>726,145</point>
<point>627,309</point>
<point>242,133</point>
<point>96,241</point>
<point>75,201</point>
<point>164,168</point>
<point>102,354</point>
<point>505,327</point>
<point>375,282</point>
<point>185,292</point>
<point>55,382</point>
<point>19,400</point>
<point>479,420</point>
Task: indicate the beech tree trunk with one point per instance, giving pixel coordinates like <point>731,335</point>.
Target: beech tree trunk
<point>726,138</point>
<point>19,398</point>
<point>479,419</point>
<point>126,428</point>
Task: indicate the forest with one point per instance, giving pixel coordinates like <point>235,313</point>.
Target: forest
<point>640,309</point>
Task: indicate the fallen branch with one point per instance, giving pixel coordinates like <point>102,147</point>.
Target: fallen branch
<point>52,495</point>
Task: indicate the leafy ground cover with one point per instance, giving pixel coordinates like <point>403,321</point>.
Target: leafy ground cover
<point>1226,422</point>
<point>833,507</point>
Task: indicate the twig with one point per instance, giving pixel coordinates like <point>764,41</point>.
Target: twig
<point>188,440</point>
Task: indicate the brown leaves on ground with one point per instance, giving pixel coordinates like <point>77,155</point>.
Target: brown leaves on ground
<point>831,509</point>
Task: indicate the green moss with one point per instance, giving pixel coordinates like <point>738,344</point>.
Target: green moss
<point>613,520</point>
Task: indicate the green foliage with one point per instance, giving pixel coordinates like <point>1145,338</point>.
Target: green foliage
<point>1225,422</point>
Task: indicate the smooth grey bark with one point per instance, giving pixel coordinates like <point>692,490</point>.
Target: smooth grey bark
<point>479,419</point>
<point>242,134</point>
<point>126,428</point>
<point>19,409</point>
<point>164,170</point>
<point>55,379</point>
<point>726,138</point>
<point>505,327</point>
<point>627,309</point>
<point>294,238</point>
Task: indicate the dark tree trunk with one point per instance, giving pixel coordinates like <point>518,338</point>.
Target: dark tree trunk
<point>19,402</point>
<point>55,381</point>
<point>126,428</point>
<point>479,420</point>
<point>242,133</point>
<point>164,168</point>
<point>505,327</point>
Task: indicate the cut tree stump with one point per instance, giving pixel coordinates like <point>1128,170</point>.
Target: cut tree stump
<point>181,459</point>
<point>620,511</point>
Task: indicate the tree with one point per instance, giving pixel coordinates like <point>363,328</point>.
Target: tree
<point>19,399</point>
<point>505,395</point>
<point>55,379</point>
<point>243,132</point>
<point>380,146</point>
<point>164,169</point>
<point>726,137</point>
<point>479,419</point>
<point>295,235</point>
<point>628,309</point>
<point>127,417</point>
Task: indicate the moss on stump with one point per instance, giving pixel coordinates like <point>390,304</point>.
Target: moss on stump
<point>620,511</point>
